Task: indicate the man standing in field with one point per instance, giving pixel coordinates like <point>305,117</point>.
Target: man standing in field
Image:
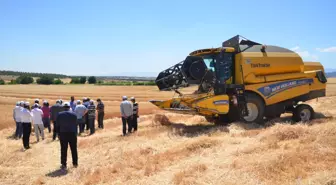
<point>72,103</point>
<point>100,110</point>
<point>54,110</point>
<point>86,104</point>
<point>26,119</point>
<point>67,128</point>
<point>126,109</point>
<point>46,115</point>
<point>38,123</point>
<point>80,111</point>
<point>17,118</point>
<point>91,116</point>
<point>135,114</point>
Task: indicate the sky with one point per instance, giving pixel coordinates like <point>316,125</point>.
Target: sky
<point>142,38</point>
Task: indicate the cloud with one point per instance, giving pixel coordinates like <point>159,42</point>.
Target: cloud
<point>330,49</point>
<point>306,55</point>
<point>295,48</point>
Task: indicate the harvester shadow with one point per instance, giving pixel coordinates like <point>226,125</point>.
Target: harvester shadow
<point>319,118</point>
<point>57,173</point>
<point>196,130</point>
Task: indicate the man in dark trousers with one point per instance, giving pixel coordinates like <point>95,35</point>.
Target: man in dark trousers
<point>135,114</point>
<point>86,103</point>
<point>91,116</point>
<point>67,129</point>
<point>126,110</point>
<point>100,110</point>
<point>54,110</point>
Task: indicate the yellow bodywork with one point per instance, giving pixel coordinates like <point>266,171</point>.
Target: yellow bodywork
<point>285,69</point>
<point>204,104</point>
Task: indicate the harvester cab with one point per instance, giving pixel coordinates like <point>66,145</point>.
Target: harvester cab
<point>242,80</point>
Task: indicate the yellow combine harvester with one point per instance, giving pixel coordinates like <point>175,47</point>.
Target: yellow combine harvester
<point>243,80</point>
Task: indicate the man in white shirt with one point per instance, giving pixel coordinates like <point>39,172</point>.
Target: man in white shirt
<point>26,119</point>
<point>126,109</point>
<point>17,119</point>
<point>37,114</point>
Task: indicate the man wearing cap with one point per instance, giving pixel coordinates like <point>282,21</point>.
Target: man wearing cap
<point>126,109</point>
<point>135,114</point>
<point>37,101</point>
<point>54,110</point>
<point>67,129</point>
<point>91,116</point>
<point>80,111</point>
<point>26,119</point>
<point>46,115</point>
<point>17,118</point>
<point>37,121</point>
<point>100,110</point>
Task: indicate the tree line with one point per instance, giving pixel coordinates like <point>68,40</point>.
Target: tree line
<point>19,73</point>
<point>48,80</point>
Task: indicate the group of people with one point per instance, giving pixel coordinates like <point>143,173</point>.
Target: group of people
<point>42,116</point>
<point>69,120</point>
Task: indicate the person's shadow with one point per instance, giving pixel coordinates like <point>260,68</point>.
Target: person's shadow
<point>57,173</point>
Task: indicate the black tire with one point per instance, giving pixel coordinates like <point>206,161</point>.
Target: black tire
<point>260,107</point>
<point>303,112</point>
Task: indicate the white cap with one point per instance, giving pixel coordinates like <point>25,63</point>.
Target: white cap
<point>36,105</point>
<point>132,98</point>
<point>66,104</point>
<point>22,102</point>
<point>26,103</point>
<point>124,97</point>
<point>78,101</point>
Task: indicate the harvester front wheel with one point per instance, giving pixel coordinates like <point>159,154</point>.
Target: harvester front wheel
<point>256,109</point>
<point>303,112</point>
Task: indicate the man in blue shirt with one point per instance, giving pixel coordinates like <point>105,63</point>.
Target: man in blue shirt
<point>67,128</point>
<point>80,111</point>
<point>72,103</point>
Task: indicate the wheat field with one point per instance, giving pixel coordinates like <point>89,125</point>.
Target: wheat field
<point>170,148</point>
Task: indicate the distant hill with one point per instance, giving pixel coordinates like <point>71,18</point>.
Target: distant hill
<point>331,74</point>
<point>19,73</point>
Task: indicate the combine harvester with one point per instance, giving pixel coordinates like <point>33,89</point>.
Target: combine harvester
<point>243,81</point>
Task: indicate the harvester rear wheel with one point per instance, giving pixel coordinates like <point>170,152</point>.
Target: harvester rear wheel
<point>256,109</point>
<point>303,112</point>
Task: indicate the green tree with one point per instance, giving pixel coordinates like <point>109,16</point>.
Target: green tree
<point>24,79</point>
<point>58,81</point>
<point>82,80</point>
<point>46,80</point>
<point>75,81</point>
<point>2,82</point>
<point>92,80</point>
<point>12,82</point>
